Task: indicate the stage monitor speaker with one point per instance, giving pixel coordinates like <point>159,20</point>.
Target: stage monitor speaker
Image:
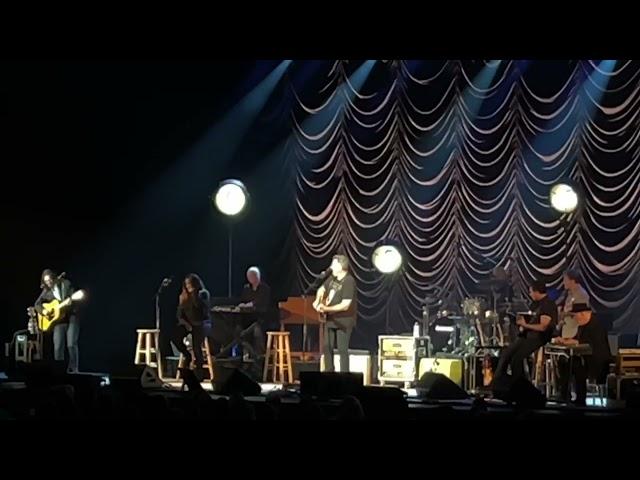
<point>436,386</point>
<point>230,381</point>
<point>149,378</point>
<point>359,361</point>
<point>330,385</point>
<point>383,403</point>
<point>519,391</point>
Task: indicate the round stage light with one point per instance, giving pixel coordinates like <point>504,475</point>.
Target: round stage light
<point>564,198</point>
<point>387,259</point>
<point>231,197</point>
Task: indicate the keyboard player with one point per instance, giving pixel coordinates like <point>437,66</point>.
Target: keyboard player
<point>256,296</point>
<point>595,365</point>
<point>241,320</point>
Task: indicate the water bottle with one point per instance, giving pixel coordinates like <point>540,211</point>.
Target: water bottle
<point>416,330</point>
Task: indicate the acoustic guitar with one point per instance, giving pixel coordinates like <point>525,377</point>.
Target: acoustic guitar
<point>55,310</point>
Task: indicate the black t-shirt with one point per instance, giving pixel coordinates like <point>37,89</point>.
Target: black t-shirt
<point>337,291</point>
<point>594,334</point>
<point>261,296</point>
<point>196,309</point>
<point>547,307</point>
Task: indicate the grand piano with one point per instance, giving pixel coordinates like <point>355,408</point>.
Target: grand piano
<point>299,311</point>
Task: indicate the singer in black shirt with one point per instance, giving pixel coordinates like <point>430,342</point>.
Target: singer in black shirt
<point>337,301</point>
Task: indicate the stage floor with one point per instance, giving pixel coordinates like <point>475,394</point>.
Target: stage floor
<point>413,397</point>
<point>291,394</point>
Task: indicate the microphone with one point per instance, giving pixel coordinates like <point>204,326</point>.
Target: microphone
<point>325,273</point>
<point>167,281</point>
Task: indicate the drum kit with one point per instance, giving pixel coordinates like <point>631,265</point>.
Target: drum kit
<point>478,321</point>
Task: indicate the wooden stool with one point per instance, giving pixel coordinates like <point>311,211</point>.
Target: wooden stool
<point>22,351</point>
<point>147,346</point>
<point>538,378</point>
<point>206,349</point>
<point>278,357</point>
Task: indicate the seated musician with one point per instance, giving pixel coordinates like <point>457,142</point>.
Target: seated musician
<point>574,293</point>
<point>193,313</point>
<point>595,365</point>
<point>256,296</point>
<point>533,335</point>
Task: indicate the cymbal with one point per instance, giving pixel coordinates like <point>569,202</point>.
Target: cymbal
<point>491,284</point>
<point>430,300</point>
<point>506,305</point>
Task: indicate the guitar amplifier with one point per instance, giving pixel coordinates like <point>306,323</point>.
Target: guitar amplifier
<point>451,368</point>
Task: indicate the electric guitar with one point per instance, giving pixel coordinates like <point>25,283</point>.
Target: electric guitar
<point>55,310</point>
<point>522,332</point>
<point>487,371</point>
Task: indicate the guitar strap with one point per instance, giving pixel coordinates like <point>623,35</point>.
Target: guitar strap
<point>57,291</point>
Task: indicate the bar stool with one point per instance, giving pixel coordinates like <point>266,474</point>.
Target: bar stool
<point>206,349</point>
<point>148,349</point>
<point>278,358</point>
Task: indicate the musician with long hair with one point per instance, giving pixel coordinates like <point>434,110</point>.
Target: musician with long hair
<point>193,312</point>
<point>67,329</point>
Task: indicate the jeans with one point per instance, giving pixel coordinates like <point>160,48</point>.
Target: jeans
<point>197,336</point>
<point>517,353</point>
<point>579,372</point>
<point>336,337</point>
<point>67,333</point>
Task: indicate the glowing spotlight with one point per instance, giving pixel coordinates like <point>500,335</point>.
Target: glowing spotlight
<point>564,198</point>
<point>387,258</point>
<point>231,197</point>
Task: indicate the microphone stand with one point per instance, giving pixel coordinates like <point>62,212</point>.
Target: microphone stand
<point>162,286</point>
<point>312,286</point>
<point>425,329</point>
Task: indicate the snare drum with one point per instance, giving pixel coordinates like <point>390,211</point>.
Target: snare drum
<point>473,307</point>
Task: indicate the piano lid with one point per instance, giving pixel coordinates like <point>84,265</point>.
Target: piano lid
<point>295,309</point>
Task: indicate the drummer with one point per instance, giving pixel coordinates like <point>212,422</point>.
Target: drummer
<point>501,288</point>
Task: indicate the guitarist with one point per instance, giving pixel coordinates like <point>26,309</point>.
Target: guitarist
<point>193,312</point>
<point>67,329</point>
<point>594,366</point>
<point>574,294</point>
<point>533,335</point>
<point>337,302</point>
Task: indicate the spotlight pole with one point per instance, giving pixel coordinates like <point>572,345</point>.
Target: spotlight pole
<point>230,257</point>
